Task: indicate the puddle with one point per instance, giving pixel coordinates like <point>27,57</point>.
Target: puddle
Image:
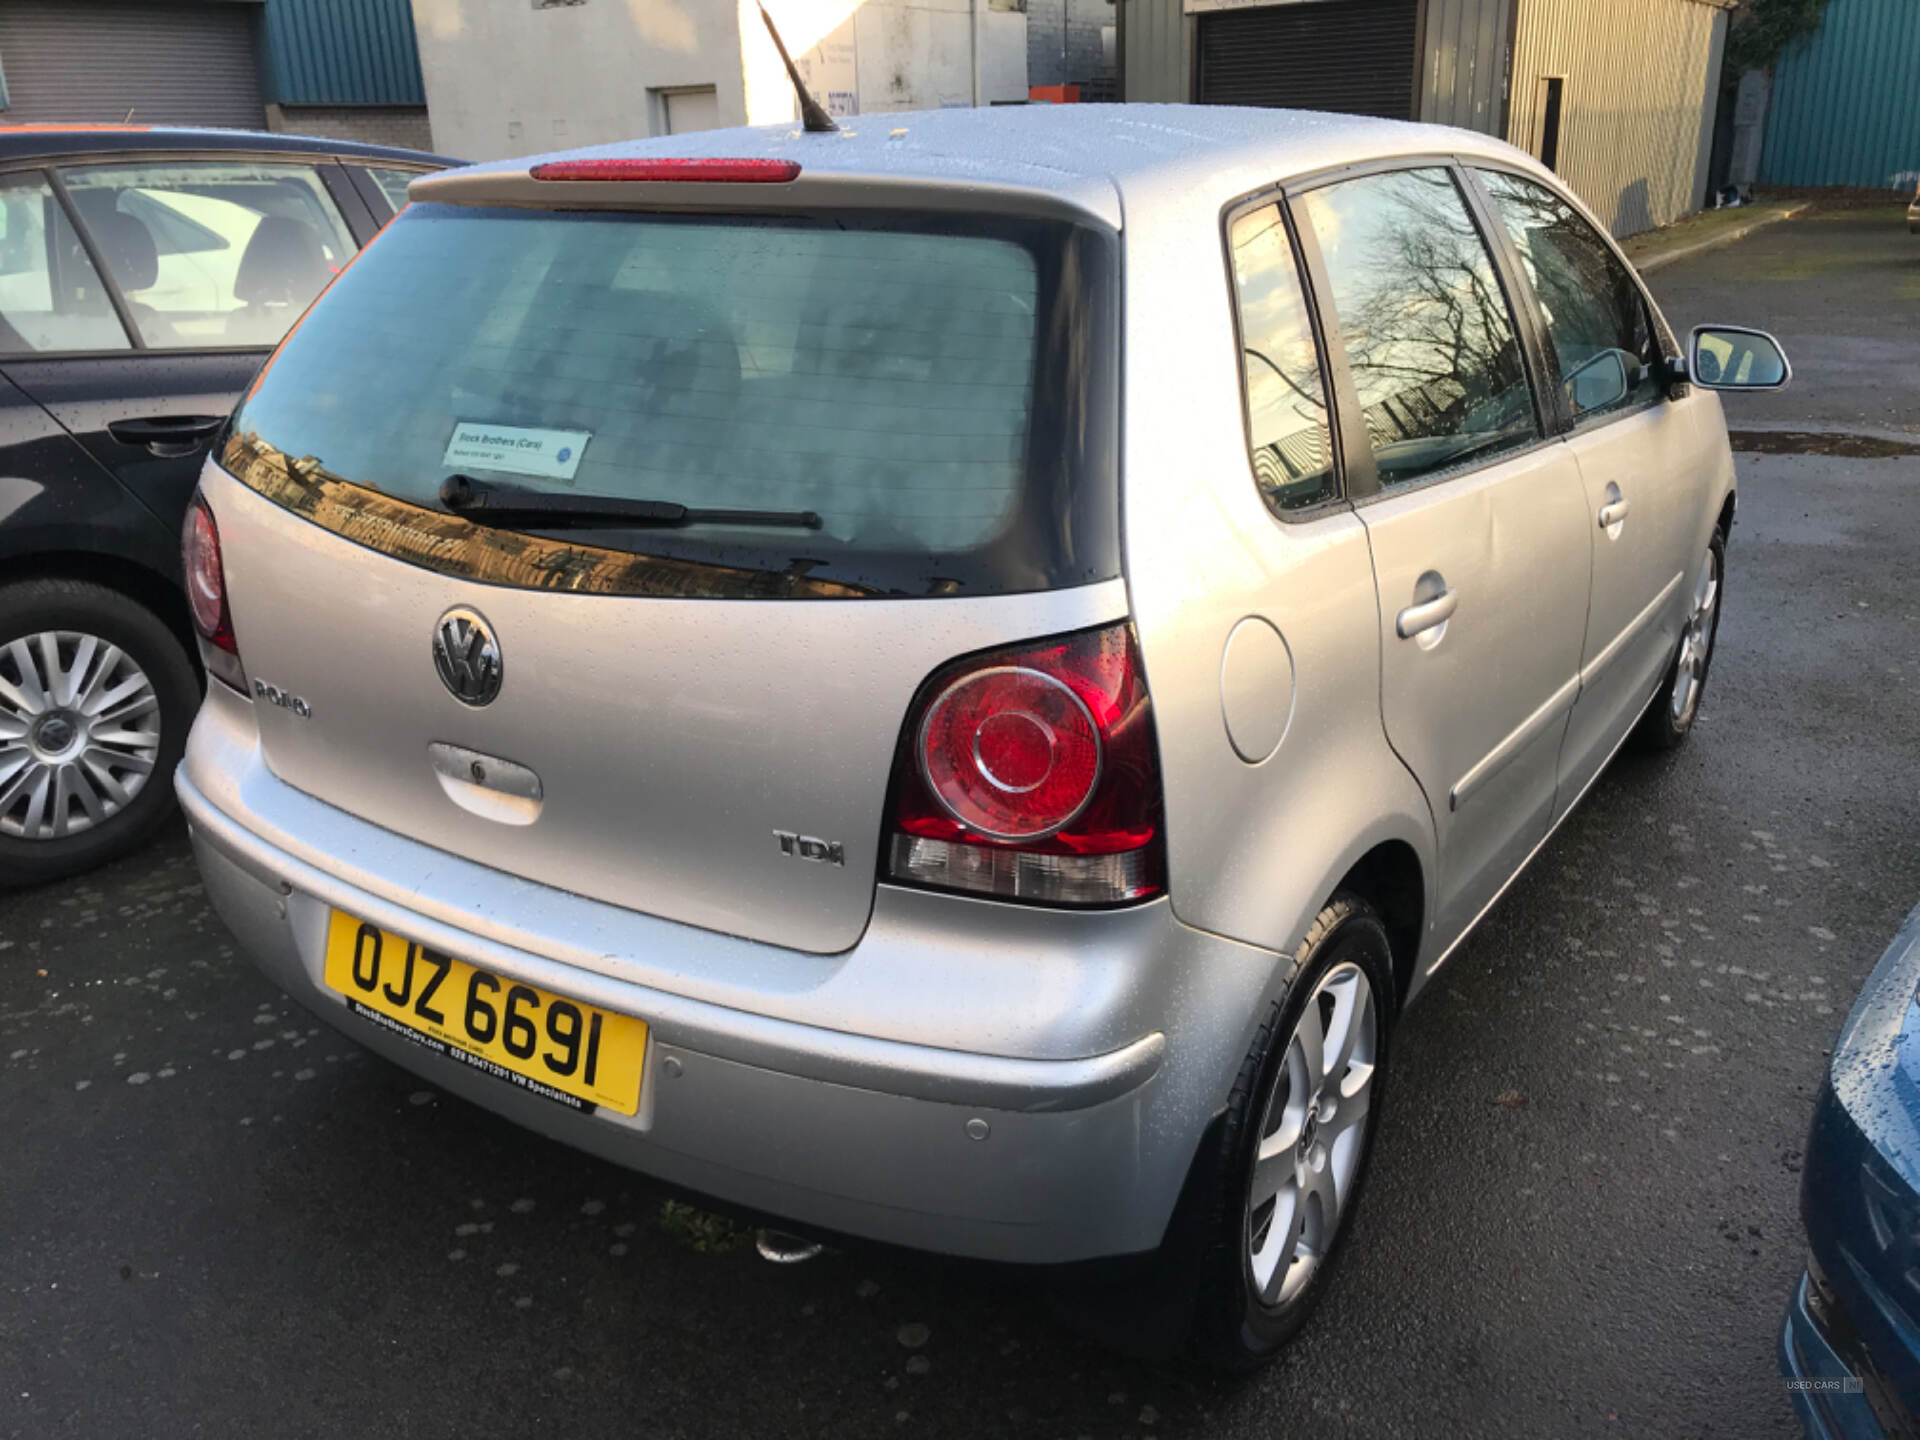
<point>1821,442</point>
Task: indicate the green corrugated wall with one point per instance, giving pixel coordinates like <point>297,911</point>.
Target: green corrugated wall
<point>343,52</point>
<point>1846,103</point>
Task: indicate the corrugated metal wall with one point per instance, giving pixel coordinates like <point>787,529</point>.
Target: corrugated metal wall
<point>1639,75</point>
<point>1639,78</point>
<point>342,52</point>
<point>1463,76</point>
<point>1846,104</point>
<point>1067,43</point>
<point>1158,39</point>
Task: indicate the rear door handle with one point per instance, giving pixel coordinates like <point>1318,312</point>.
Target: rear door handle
<point>170,435</point>
<point>1427,614</point>
<point>1613,512</point>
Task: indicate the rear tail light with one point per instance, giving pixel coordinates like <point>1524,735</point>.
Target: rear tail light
<point>206,580</point>
<point>1033,774</point>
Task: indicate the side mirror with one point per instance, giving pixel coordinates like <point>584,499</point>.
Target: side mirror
<point>1599,383</point>
<point>1731,357</point>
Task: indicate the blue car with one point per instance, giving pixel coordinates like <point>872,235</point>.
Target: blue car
<point>1850,1347</point>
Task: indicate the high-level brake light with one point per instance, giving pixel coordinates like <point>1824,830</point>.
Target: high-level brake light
<point>729,172</point>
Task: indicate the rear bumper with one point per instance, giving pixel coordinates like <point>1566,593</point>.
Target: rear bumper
<point>1093,1100</point>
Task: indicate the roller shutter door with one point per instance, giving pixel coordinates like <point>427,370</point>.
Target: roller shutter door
<point>1354,56</point>
<point>94,60</point>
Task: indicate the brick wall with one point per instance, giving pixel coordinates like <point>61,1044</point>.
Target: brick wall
<point>402,125</point>
<point>1072,26</point>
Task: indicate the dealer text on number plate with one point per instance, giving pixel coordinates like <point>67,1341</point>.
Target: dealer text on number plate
<point>574,1053</point>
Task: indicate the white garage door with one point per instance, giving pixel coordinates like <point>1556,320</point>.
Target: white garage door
<point>92,61</point>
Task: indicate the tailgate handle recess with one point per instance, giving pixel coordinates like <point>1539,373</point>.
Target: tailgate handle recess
<point>486,785</point>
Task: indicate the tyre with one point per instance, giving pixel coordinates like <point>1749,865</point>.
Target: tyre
<point>1293,1151</point>
<point>96,696</point>
<point>1676,705</point>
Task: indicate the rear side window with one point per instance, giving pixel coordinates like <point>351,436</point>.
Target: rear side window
<point>1426,327</point>
<point>1596,319</point>
<point>212,254</point>
<point>939,395</point>
<point>51,297</point>
<point>1279,366</point>
<point>393,184</point>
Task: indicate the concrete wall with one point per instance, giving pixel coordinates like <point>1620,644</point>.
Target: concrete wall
<point>1641,78</point>
<point>505,78</point>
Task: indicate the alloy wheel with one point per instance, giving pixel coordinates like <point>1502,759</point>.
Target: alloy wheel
<point>1696,643</point>
<point>79,733</point>
<point>1313,1136</point>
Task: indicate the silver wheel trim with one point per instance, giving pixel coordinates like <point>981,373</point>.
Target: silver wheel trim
<point>1696,643</point>
<point>1312,1135</point>
<point>79,733</point>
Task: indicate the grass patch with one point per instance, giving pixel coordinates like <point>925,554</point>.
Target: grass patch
<point>704,1233</point>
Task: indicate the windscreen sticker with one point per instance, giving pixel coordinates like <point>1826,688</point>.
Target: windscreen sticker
<point>552,454</point>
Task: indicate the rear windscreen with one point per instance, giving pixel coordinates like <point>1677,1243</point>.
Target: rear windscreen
<point>937,394</point>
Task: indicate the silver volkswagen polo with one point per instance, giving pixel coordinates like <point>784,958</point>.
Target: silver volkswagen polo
<point>949,682</point>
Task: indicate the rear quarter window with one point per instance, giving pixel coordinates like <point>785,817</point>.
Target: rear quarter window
<point>1287,428</point>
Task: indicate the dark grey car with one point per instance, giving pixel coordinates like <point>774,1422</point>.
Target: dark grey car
<point>144,276</point>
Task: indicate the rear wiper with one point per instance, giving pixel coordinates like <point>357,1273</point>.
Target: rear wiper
<point>527,509</point>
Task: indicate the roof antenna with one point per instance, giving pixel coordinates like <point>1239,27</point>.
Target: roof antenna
<point>813,119</point>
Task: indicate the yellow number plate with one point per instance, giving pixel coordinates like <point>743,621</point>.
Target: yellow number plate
<point>559,1048</point>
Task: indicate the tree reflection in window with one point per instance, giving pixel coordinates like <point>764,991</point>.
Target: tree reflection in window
<point>1428,334</point>
<point>1593,309</point>
<point>1286,401</point>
